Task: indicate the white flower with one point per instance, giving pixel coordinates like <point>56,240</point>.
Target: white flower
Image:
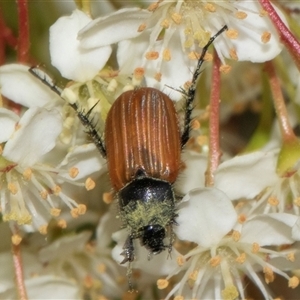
<point>87,261</point>
<point>223,254</point>
<point>66,52</point>
<point>31,191</point>
<point>166,42</point>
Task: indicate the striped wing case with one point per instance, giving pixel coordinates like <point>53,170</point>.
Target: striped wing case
<point>142,137</point>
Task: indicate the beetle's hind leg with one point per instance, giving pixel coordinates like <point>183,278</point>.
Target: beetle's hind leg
<point>128,252</point>
<point>190,94</point>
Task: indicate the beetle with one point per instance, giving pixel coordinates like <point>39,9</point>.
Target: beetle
<point>142,145</point>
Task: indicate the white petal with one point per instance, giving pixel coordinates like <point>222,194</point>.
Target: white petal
<point>64,247</point>
<point>296,230</point>
<point>193,175</point>
<point>47,287</point>
<point>266,231</point>
<point>20,86</point>
<point>35,136</point>
<point>247,175</point>
<point>120,25</point>
<point>86,159</point>
<point>248,45</point>
<point>206,218</point>
<point>8,120</point>
<point>67,56</point>
<point>160,264</point>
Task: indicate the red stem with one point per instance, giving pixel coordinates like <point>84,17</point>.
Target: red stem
<point>214,146</point>
<point>286,36</point>
<point>18,267</point>
<point>280,107</point>
<point>23,40</point>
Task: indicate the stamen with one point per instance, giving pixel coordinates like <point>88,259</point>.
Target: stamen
<point>16,239</point>
<point>89,184</point>
<point>162,284</point>
<point>73,172</point>
<point>265,37</point>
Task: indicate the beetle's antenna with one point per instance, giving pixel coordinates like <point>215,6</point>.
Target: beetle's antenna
<point>83,117</point>
<point>190,94</point>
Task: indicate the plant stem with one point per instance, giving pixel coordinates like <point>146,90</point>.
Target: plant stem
<point>214,134</point>
<point>23,39</point>
<point>286,130</point>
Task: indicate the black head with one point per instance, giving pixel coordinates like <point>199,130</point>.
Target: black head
<point>153,238</point>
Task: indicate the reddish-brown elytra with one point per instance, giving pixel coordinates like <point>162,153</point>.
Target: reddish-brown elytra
<point>143,147</point>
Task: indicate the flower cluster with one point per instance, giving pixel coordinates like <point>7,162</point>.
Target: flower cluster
<point>237,225</point>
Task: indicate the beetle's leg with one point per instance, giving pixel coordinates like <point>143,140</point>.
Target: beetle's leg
<point>128,252</point>
<point>91,128</point>
<point>190,94</point>
<point>83,117</point>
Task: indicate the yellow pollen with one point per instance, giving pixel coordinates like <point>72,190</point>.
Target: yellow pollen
<point>202,140</point>
<point>89,184</point>
<point>230,293</point>
<point>142,27</point>
<point>215,261</point>
<point>16,239</point>
<point>88,281</point>
<point>176,18</point>
<point>44,194</point>
<point>225,69</point>
<point>210,7</point>
<point>43,229</point>
<point>236,235</point>
<point>242,218</point>
<point>195,125</point>
<point>178,297</point>
<point>208,56</point>
<point>73,172</point>
<point>101,268</point>
<point>107,197</point>
<point>1,149</point>
<point>180,261</point>
<point>167,54</point>
<point>263,13</point>
<point>193,55</point>
<point>55,212</point>
<point>138,73</point>
<point>291,256</point>
<point>12,188</point>
<point>255,248</point>
<point>297,201</point>
<point>162,283</point>
<point>293,282</point>
<point>188,42</point>
<point>265,37</point>
<point>269,274</point>
<point>232,34</point>
<point>153,6</point>
<point>233,55</point>
<point>27,174</point>
<point>74,212</point>
<point>273,201</point>
<point>81,209</point>
<point>241,15</point>
<point>157,76</point>
<point>62,223</point>
<point>165,23</point>
<point>56,190</point>
<point>152,55</point>
<point>194,275</point>
<point>241,259</point>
